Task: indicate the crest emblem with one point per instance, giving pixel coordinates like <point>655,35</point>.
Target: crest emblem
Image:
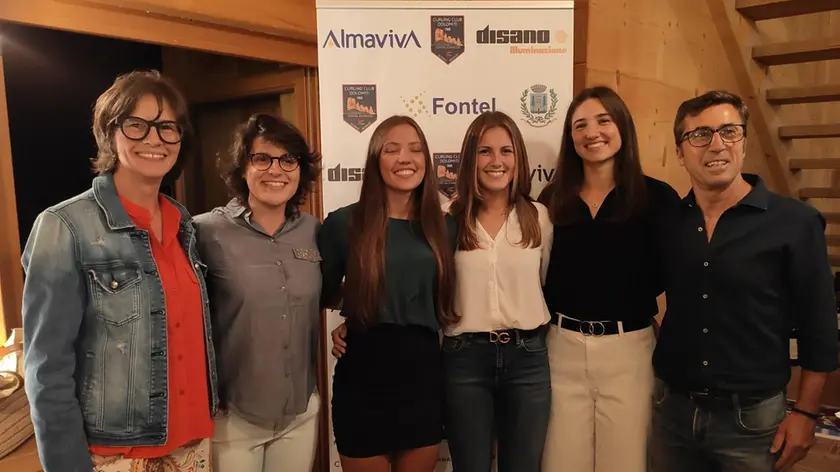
<point>359,105</point>
<point>447,165</point>
<point>447,37</point>
<point>538,106</point>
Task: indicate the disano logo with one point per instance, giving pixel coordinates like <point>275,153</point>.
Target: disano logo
<point>525,41</point>
<point>344,39</point>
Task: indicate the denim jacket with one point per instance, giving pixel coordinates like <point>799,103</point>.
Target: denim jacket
<point>94,320</point>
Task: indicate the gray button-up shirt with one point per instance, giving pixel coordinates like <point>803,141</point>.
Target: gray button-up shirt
<point>264,293</point>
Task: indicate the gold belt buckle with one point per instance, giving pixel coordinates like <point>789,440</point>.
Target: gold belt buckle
<point>503,337</point>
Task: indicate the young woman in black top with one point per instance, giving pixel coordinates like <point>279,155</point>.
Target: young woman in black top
<point>395,248</point>
<point>601,287</point>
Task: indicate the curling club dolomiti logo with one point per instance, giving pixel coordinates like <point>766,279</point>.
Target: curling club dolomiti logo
<point>447,37</point>
<point>359,105</point>
<point>447,165</point>
<point>538,105</point>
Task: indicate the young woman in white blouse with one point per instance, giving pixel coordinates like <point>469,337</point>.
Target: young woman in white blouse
<point>496,373</point>
<point>496,376</point>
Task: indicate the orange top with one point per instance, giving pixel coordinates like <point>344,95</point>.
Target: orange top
<point>189,398</point>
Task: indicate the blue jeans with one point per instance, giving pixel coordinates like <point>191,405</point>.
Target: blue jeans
<point>703,436</point>
<point>496,391</point>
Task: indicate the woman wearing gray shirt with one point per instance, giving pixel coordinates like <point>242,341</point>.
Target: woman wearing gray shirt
<point>264,281</point>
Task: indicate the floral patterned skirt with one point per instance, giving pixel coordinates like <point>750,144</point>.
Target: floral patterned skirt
<point>194,457</point>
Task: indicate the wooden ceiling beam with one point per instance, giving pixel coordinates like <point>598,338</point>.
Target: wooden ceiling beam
<point>757,10</point>
<point>291,19</point>
<point>130,24</point>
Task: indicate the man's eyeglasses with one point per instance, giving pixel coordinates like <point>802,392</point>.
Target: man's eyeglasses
<point>703,136</point>
<point>136,129</point>
<point>262,161</point>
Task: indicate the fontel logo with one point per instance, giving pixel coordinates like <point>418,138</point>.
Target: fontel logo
<point>390,40</point>
<point>345,174</point>
<point>419,104</point>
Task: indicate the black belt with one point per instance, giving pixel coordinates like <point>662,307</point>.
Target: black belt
<point>722,398</point>
<point>503,336</point>
<point>600,328</point>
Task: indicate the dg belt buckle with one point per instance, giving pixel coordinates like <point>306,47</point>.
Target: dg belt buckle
<point>503,337</point>
<point>590,328</point>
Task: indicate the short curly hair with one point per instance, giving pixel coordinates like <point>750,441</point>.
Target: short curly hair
<point>118,102</point>
<point>279,132</point>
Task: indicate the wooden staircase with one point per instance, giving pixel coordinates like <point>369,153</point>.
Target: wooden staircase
<point>754,62</point>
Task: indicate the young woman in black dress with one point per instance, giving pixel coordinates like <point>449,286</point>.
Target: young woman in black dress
<point>395,247</point>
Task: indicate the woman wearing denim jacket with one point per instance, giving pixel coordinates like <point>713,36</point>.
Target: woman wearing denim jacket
<point>118,356</point>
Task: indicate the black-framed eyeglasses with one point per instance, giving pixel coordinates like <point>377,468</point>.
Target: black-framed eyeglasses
<point>136,129</point>
<point>263,161</point>
<point>703,136</point>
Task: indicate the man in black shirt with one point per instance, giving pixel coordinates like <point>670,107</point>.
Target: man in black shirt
<point>744,268</point>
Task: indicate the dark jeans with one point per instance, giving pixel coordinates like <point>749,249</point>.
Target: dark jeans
<point>496,391</point>
<point>714,435</point>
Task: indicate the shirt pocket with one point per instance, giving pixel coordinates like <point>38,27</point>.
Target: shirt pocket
<point>116,293</point>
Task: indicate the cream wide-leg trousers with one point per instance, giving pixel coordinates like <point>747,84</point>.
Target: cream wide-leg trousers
<point>601,401</point>
<point>239,446</point>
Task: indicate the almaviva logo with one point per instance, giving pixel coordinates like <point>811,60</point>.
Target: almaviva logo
<point>391,39</point>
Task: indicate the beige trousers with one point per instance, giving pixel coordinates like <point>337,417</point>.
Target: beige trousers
<point>601,401</point>
<point>239,446</point>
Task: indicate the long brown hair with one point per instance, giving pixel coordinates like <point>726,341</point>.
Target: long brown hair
<point>468,201</point>
<point>562,193</point>
<point>364,284</point>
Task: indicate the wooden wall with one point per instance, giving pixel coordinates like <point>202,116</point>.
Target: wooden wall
<point>656,54</point>
<point>805,27</point>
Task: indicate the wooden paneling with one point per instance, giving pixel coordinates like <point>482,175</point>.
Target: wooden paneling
<point>803,94</point>
<point>11,272</point>
<point>132,24</point>
<point>820,76</point>
<point>825,163</point>
<point>656,58</point>
<point>737,39</point>
<point>819,192</point>
<point>831,130</point>
<point>580,41</point>
<point>831,217</point>
<point>293,19</point>
<point>770,9</point>
<point>795,52</point>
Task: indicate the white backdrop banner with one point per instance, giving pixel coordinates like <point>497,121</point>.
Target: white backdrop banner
<point>443,64</point>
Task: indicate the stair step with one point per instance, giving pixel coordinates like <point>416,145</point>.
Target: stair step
<point>831,217</point>
<point>819,192</point>
<point>769,9</point>
<point>834,259</point>
<point>832,240</point>
<point>795,52</point>
<point>810,131</point>
<point>826,163</point>
<point>806,94</point>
